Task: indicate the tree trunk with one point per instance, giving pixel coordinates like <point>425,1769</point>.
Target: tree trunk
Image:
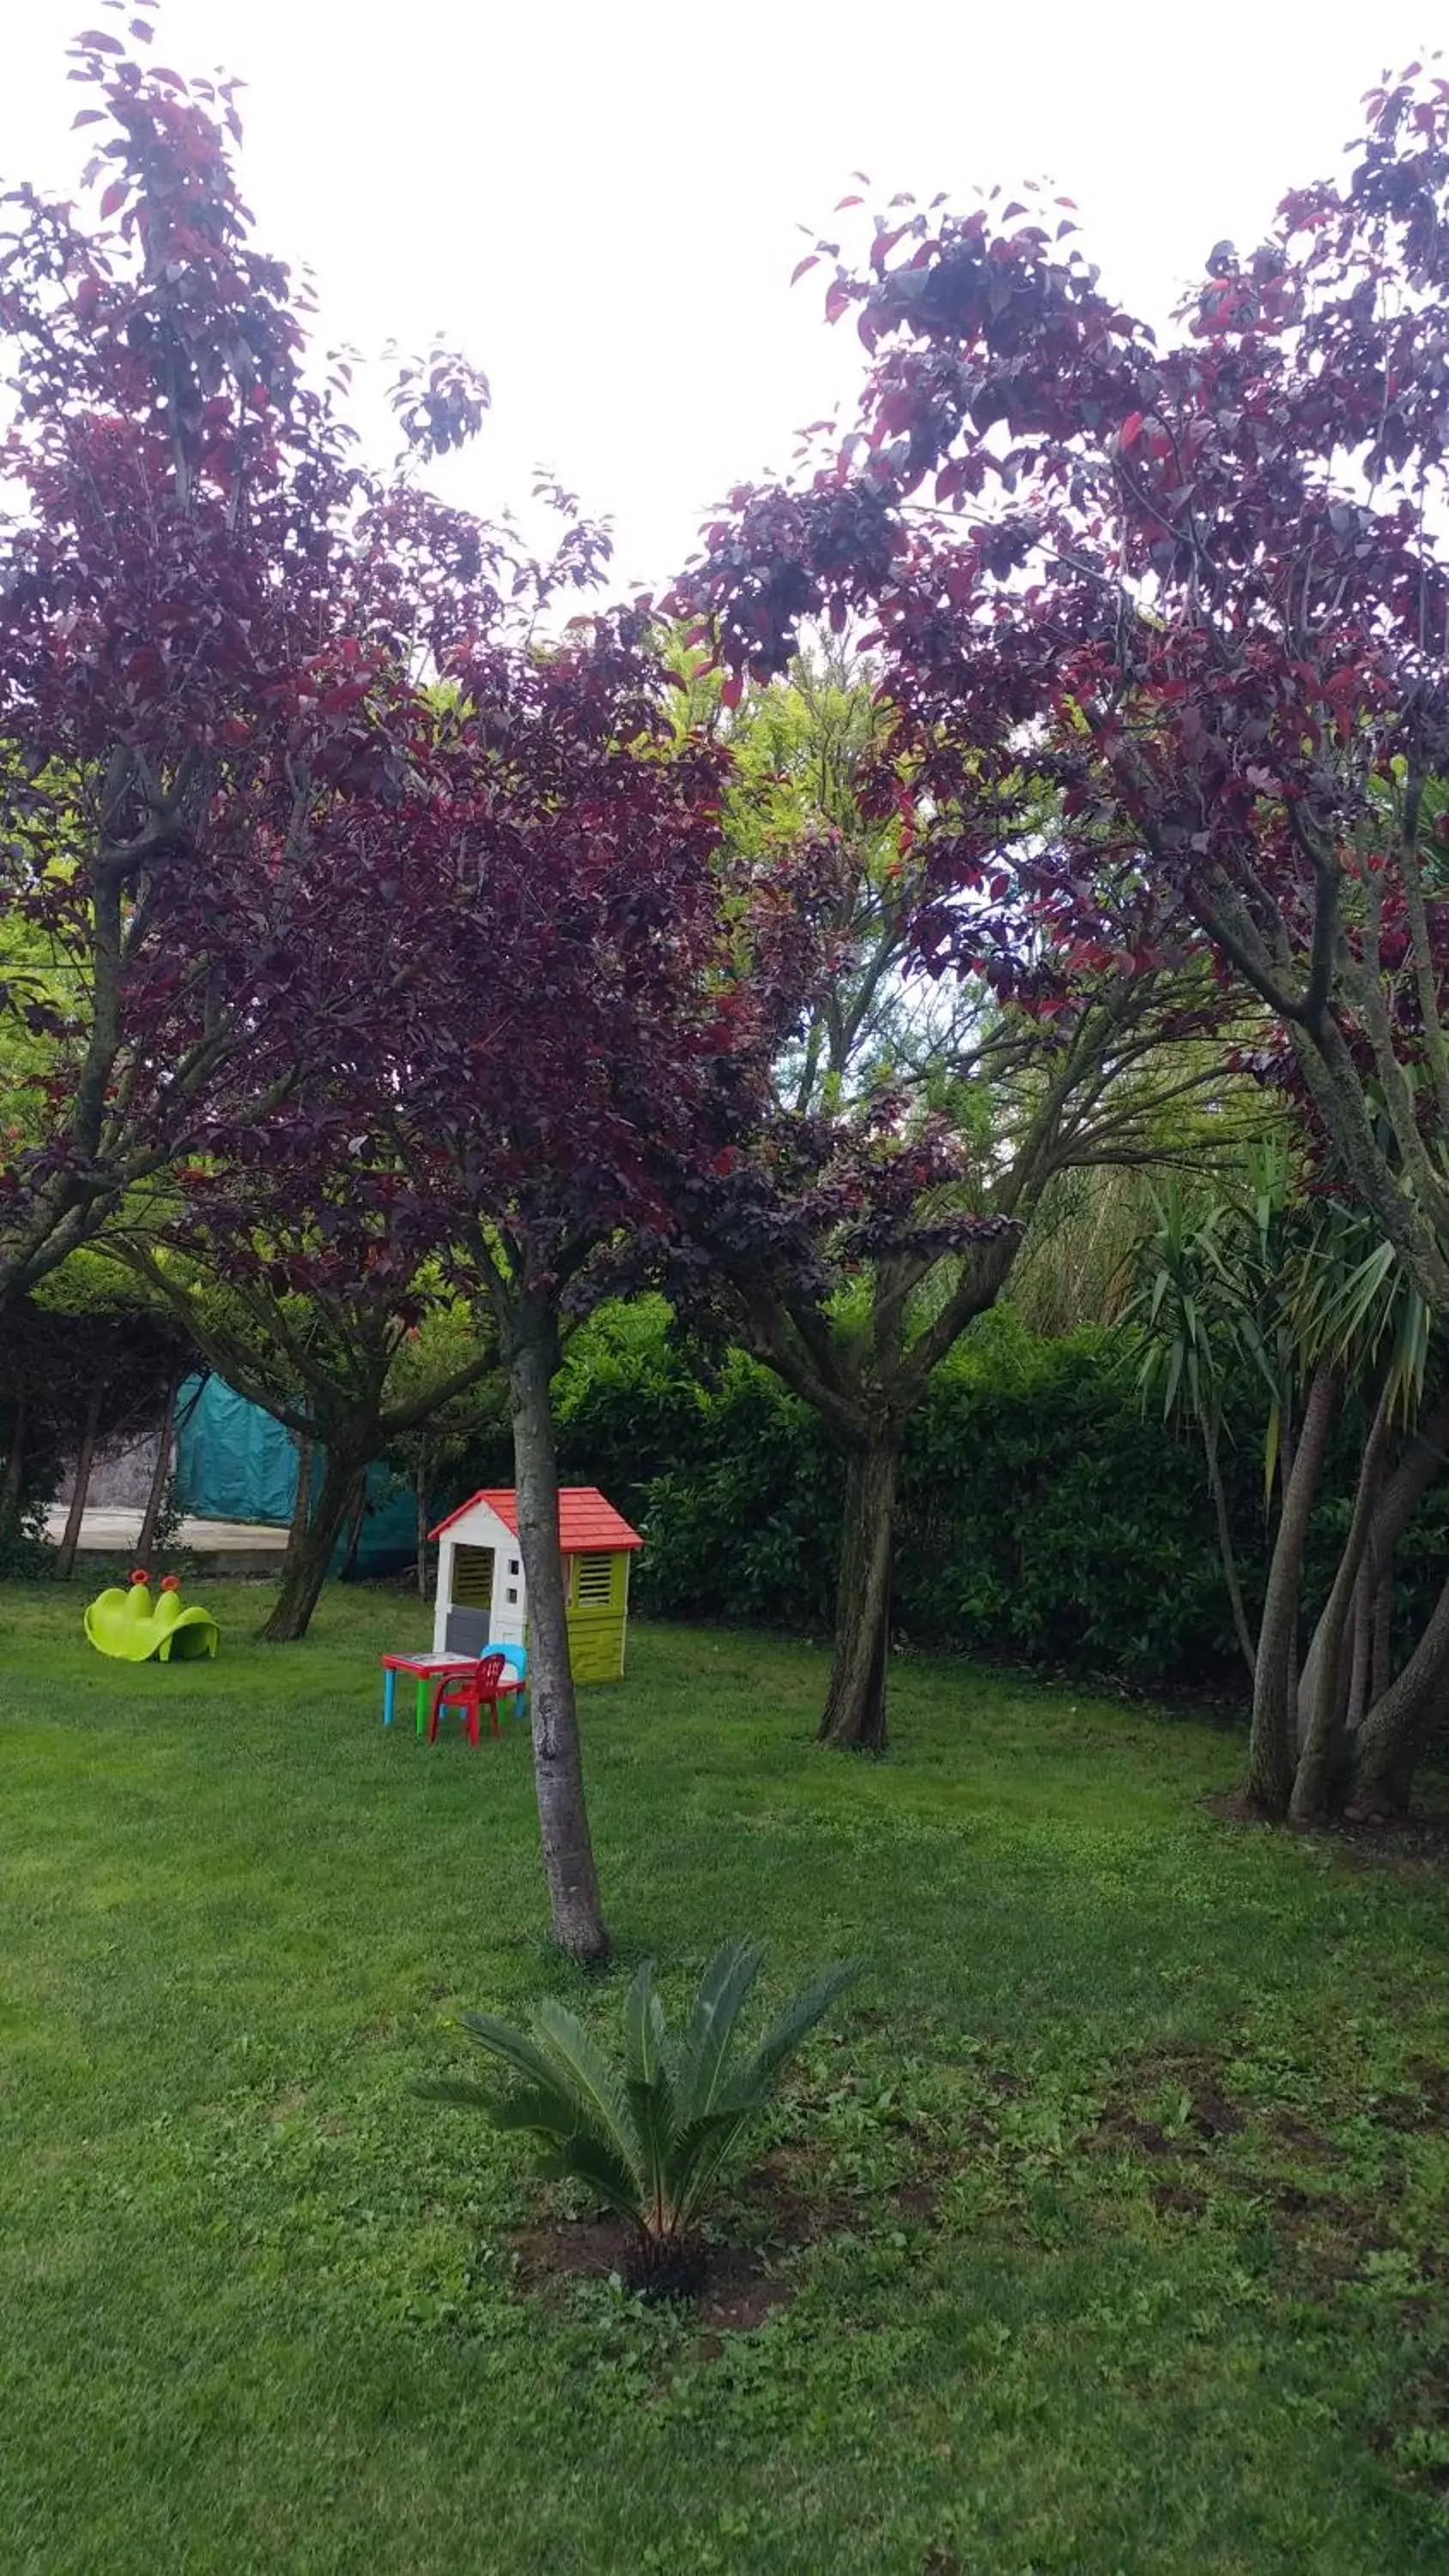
<point>65,1560</point>
<point>530,1344</point>
<point>357,1509</point>
<point>1272,1749</point>
<point>13,1483</point>
<point>855,1705</point>
<point>309,1554</point>
<point>1321,1760</point>
<point>1226,1550</point>
<point>1381,1668</point>
<point>160,1473</point>
<point>1361,1662</point>
<point>1391,1740</point>
<point>422,1527</point>
<point>1402,1493</point>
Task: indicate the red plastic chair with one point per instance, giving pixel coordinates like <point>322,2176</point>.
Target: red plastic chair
<point>471,1692</point>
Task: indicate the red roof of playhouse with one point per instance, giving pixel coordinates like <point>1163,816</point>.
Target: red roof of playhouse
<point>586,1522</point>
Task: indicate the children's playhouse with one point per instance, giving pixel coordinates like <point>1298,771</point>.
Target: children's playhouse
<point>481,1598</point>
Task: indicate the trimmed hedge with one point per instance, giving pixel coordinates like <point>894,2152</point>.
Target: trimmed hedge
<point>1044,1516</point>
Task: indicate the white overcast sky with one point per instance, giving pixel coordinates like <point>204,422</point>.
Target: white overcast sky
<point>598,199</point>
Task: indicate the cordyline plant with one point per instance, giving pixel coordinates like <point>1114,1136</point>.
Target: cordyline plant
<point>213,625</point>
<point>650,2143</point>
<point>1203,583</point>
<point>1284,1295</point>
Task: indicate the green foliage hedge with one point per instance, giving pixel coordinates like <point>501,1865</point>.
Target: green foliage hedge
<point>1041,1515</point>
<point>1044,1515</point>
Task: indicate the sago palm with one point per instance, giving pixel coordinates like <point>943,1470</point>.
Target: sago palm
<point>648,2142</point>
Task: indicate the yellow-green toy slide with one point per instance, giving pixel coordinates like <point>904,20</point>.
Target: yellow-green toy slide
<point>130,1625</point>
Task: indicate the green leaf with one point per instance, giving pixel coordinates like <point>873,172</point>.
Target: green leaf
<point>717,2006</point>
<point>799,2019</point>
<point>704,2149</point>
<point>647,2055</point>
<point>601,2098</point>
<point>543,2110</point>
<point>456,2089</point>
<point>649,2084</point>
<point>515,2047</point>
<point>658,2151</point>
<point>587,2159</point>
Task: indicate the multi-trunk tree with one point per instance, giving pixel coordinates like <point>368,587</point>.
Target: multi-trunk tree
<point>1272,1295</point>
<point>1200,583</point>
<point>850,1253</point>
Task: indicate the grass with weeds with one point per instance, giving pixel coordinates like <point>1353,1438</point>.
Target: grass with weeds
<point>1110,2219</point>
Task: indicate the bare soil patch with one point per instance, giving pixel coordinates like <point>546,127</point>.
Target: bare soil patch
<point>740,2291</point>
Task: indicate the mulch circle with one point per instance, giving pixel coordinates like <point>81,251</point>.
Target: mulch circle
<point>745,2284</point>
<point>741,2290</point>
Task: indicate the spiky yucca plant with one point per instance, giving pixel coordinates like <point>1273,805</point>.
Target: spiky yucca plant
<point>650,2142</point>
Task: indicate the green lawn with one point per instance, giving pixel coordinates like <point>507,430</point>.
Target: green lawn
<point>1170,2302</point>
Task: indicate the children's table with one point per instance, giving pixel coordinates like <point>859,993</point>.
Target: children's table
<point>429,1670</point>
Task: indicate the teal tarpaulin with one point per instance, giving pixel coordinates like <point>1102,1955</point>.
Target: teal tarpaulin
<point>235,1463</point>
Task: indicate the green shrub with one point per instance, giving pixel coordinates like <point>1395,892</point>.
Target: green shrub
<point>26,1555</point>
<point>745,1524</point>
<point>648,2144</point>
<point>1042,1515</point>
<point>1045,1516</point>
<point>627,1403</point>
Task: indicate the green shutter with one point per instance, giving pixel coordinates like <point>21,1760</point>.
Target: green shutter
<point>473,1578</point>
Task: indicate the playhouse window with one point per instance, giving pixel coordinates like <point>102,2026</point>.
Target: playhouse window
<point>594,1582</point>
<point>473,1577</point>
<point>513,1565</point>
<point>513,1592</point>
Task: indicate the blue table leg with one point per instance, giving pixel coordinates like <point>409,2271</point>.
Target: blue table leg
<point>389,1695</point>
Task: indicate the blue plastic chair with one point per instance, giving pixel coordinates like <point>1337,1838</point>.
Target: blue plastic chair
<point>517,1656</point>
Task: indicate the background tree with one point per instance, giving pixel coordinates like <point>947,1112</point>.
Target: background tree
<point>212,627</point>
<point>325,1325</point>
<point>86,1365</point>
<point>1204,580</point>
<point>918,1126</point>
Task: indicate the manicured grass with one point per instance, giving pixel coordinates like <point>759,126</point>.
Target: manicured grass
<point>1132,2185</point>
